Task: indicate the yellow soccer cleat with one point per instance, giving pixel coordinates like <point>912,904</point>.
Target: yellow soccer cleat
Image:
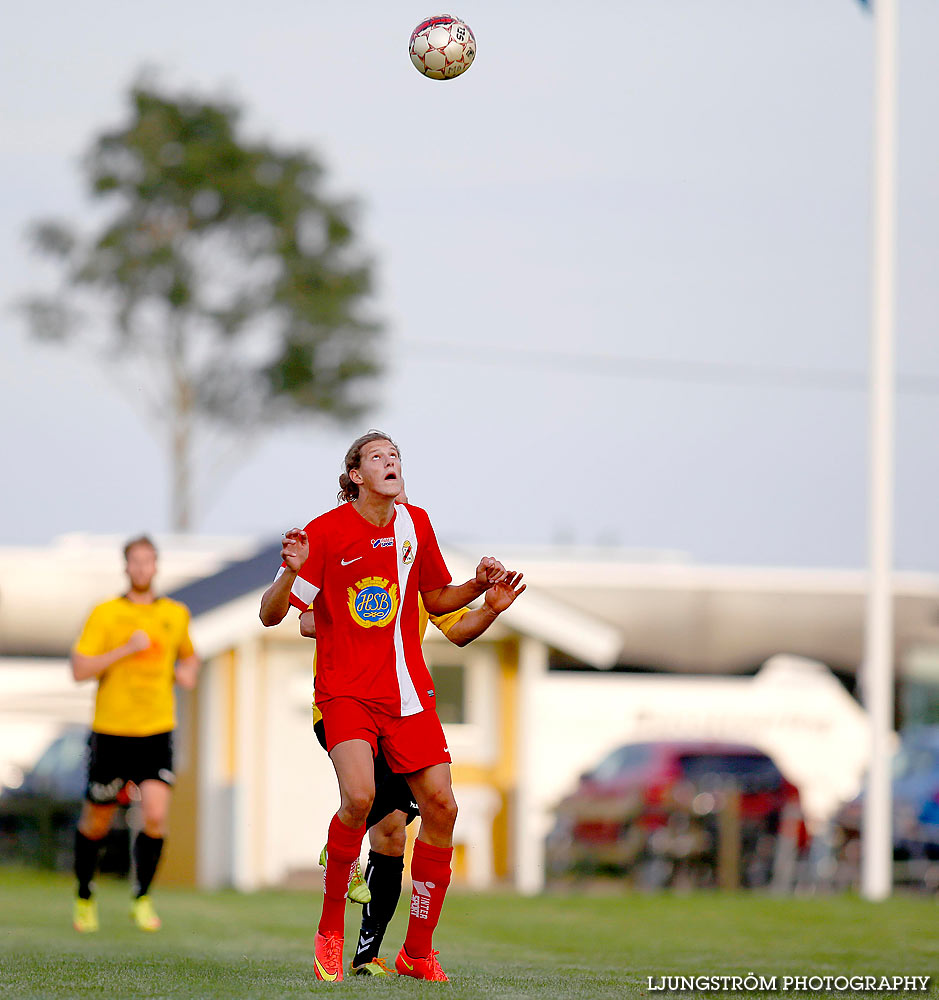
<point>85,916</point>
<point>144,915</point>
<point>376,967</point>
<point>358,891</point>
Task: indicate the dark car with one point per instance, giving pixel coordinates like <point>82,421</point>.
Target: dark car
<point>915,791</point>
<point>662,810</point>
<point>38,818</point>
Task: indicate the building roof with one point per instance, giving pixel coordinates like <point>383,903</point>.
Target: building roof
<point>600,606</point>
<point>225,605</point>
<point>238,578</point>
<point>47,591</point>
<point>678,615</point>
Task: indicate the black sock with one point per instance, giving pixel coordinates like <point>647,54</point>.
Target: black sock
<point>146,858</point>
<point>86,861</point>
<point>383,875</point>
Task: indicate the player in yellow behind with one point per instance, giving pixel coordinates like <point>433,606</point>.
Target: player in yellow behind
<point>136,646</point>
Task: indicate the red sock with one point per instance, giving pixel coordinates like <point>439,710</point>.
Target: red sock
<point>342,848</point>
<point>430,876</point>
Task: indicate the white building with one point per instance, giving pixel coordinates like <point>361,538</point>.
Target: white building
<point>601,650</point>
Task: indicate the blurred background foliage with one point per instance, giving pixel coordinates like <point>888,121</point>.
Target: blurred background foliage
<point>229,285</point>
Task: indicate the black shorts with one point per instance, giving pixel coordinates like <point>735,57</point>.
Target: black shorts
<point>391,790</point>
<point>115,760</point>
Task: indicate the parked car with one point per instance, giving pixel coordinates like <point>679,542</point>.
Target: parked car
<point>655,810</point>
<point>38,817</point>
<point>915,788</point>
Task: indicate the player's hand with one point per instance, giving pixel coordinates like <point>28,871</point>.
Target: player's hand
<point>502,595</point>
<point>296,549</point>
<point>138,642</point>
<point>307,625</point>
<point>489,571</point>
<point>186,672</point>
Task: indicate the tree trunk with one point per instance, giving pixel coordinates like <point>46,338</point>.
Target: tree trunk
<point>181,518</point>
<point>181,436</point>
<point>181,500</point>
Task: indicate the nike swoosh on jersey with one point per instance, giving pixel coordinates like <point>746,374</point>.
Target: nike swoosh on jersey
<point>319,968</point>
<point>349,562</point>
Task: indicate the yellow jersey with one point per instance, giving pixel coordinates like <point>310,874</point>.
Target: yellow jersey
<point>443,622</point>
<point>135,695</point>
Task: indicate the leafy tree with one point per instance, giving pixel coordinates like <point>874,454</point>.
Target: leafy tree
<point>222,277</point>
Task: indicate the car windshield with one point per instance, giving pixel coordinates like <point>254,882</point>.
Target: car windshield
<point>60,758</point>
<point>750,772</point>
<point>622,759</point>
<point>912,760</point>
<point>51,760</point>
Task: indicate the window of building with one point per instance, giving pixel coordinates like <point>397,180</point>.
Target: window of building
<point>919,702</point>
<point>450,685</point>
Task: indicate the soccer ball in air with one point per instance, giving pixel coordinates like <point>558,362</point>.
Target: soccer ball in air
<point>442,47</point>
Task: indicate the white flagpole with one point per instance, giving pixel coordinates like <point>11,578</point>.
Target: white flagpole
<point>877,841</point>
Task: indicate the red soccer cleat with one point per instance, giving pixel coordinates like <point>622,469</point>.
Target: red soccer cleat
<point>420,968</point>
<point>327,957</point>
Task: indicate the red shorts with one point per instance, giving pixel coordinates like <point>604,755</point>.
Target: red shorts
<point>410,743</point>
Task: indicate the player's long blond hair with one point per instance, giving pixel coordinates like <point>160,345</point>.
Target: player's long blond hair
<point>348,490</point>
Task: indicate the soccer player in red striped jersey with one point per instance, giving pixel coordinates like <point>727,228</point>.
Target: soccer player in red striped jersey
<point>360,567</point>
<point>394,807</point>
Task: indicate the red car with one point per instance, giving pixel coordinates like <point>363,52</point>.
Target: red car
<point>656,809</point>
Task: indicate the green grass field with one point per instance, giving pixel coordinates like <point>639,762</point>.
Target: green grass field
<point>570,947</point>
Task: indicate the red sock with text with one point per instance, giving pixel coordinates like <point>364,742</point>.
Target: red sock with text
<point>430,876</point>
<point>342,848</point>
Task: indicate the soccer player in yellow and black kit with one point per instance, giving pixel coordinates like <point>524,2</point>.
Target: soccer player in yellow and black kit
<point>136,646</point>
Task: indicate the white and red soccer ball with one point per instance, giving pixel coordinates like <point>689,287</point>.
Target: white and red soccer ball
<point>442,47</point>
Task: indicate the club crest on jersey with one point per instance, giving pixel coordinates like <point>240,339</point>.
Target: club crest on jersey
<point>407,553</point>
<point>373,601</point>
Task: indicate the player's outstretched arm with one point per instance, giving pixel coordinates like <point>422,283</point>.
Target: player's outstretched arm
<point>499,597</point>
<point>85,668</point>
<point>451,598</point>
<point>275,603</point>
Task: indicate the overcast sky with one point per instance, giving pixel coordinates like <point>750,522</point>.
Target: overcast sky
<point>624,264</point>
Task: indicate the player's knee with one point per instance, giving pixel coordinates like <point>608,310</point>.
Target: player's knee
<point>450,810</point>
<point>398,841</point>
<point>358,802</point>
<point>389,835</point>
<point>95,830</point>
<point>95,821</point>
<point>154,826</point>
<point>441,810</point>
<point>392,842</point>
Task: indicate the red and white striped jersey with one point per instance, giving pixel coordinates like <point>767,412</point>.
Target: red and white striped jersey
<point>362,583</point>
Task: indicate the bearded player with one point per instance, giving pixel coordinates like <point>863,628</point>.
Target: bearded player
<point>136,647</point>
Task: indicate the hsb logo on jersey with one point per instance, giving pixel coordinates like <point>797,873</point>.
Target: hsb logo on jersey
<point>373,601</point>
